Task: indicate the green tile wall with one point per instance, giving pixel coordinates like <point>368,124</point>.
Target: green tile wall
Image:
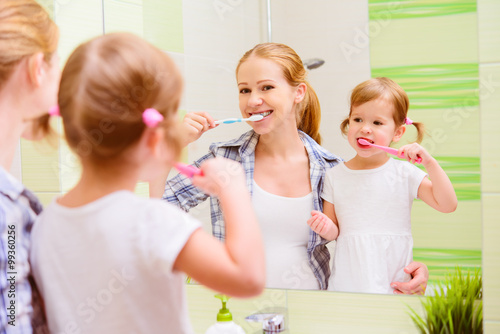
<point>163,24</point>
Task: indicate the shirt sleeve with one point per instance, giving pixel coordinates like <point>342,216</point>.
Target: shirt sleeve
<point>327,193</point>
<point>416,176</point>
<point>164,234</point>
<point>181,192</point>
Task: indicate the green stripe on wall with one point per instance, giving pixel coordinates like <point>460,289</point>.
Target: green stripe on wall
<point>403,9</point>
<point>443,261</point>
<point>465,175</point>
<point>436,86</point>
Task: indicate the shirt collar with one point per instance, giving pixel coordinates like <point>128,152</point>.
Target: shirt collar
<point>9,185</point>
<point>317,154</point>
<point>246,143</point>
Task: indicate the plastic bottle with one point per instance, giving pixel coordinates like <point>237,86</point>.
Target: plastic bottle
<point>225,323</point>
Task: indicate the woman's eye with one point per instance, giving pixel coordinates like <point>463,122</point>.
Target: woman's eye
<point>267,87</point>
<point>244,90</point>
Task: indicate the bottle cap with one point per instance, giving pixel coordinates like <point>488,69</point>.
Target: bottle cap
<point>224,314</point>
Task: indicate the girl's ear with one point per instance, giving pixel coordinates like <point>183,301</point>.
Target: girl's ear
<point>36,69</point>
<point>154,140</point>
<point>399,133</point>
<point>301,90</point>
<point>157,145</point>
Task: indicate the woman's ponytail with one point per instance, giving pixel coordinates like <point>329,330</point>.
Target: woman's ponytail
<point>310,118</point>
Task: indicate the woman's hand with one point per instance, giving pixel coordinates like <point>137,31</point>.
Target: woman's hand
<point>197,123</point>
<point>418,283</point>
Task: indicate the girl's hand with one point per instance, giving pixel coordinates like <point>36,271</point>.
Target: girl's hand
<point>324,226</point>
<point>412,152</point>
<point>221,177</point>
<point>197,123</point>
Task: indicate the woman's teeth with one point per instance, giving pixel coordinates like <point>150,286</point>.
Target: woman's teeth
<point>267,113</point>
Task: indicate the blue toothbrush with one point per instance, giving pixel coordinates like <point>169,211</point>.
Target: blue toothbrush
<point>253,118</point>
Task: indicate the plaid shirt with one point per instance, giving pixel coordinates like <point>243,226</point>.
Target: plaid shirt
<point>180,191</point>
<point>19,300</point>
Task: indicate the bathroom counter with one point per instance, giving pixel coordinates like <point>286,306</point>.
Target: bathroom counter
<point>310,311</point>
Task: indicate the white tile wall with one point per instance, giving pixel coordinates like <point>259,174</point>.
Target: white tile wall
<point>332,31</point>
<point>123,15</point>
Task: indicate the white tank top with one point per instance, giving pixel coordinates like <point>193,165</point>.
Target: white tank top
<point>283,221</point>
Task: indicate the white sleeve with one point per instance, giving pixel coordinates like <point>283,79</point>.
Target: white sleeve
<point>416,176</point>
<point>327,193</point>
<point>164,234</point>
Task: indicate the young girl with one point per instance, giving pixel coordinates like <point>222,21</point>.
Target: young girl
<point>369,197</point>
<point>106,260</point>
<point>29,78</point>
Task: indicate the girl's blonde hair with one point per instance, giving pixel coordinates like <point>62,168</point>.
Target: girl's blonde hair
<point>309,110</point>
<point>383,87</point>
<point>25,29</point>
<point>106,85</point>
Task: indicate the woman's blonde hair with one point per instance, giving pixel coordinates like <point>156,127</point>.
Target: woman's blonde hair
<point>375,88</point>
<point>106,85</point>
<point>25,29</point>
<point>309,110</point>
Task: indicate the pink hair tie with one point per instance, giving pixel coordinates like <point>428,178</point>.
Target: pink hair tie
<point>408,121</point>
<point>151,117</point>
<point>54,111</point>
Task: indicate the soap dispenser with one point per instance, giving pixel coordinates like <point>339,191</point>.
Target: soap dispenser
<point>225,323</point>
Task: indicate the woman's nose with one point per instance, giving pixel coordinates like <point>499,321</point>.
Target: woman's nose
<point>255,99</point>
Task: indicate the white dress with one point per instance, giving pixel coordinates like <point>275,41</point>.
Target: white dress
<point>283,223</point>
<point>107,267</point>
<point>373,208</point>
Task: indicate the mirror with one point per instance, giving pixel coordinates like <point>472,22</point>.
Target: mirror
<point>420,50</point>
<point>431,52</point>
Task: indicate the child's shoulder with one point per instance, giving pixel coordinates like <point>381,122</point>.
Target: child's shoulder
<point>337,169</point>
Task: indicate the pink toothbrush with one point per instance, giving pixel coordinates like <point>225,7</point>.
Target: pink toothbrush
<point>389,150</point>
<point>188,170</point>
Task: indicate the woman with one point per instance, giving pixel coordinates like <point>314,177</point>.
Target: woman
<point>29,79</point>
<point>284,164</point>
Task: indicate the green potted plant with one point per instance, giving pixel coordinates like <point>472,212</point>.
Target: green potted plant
<point>455,308</point>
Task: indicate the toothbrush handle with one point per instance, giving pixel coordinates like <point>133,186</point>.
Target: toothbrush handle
<point>228,121</point>
<point>393,151</point>
<point>188,170</point>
